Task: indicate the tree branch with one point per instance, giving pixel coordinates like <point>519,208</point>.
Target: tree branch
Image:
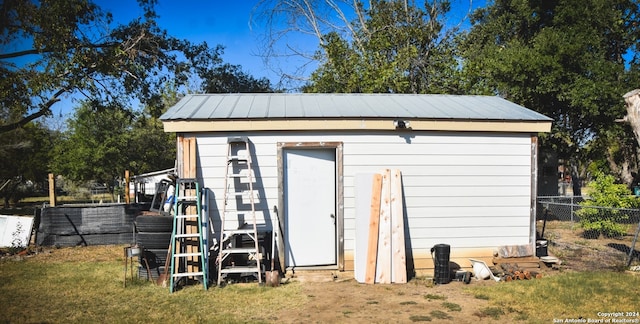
<point>45,108</point>
<point>19,53</point>
<point>35,51</point>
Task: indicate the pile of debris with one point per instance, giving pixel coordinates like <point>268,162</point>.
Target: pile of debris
<point>512,271</point>
<point>520,262</point>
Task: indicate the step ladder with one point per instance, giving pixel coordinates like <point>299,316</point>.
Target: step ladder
<point>239,245</point>
<point>187,245</point>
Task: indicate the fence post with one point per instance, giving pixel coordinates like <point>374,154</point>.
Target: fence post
<point>52,190</point>
<point>127,193</point>
<point>572,208</point>
<point>633,246</point>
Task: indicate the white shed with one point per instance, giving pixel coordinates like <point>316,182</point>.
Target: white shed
<point>468,167</point>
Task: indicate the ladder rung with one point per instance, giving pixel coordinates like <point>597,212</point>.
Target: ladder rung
<point>238,194</point>
<point>186,198</point>
<point>187,235</point>
<point>187,216</point>
<point>188,274</point>
<point>239,231</point>
<point>239,250</point>
<point>187,180</point>
<point>239,270</point>
<point>238,175</point>
<point>183,255</point>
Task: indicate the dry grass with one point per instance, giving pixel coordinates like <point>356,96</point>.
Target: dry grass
<point>86,285</point>
<point>565,295</point>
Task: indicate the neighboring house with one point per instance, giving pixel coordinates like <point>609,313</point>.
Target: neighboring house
<point>143,186</point>
<point>468,166</point>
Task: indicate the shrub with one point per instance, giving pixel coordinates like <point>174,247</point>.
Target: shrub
<point>604,192</point>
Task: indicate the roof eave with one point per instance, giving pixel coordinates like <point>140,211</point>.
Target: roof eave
<point>247,125</point>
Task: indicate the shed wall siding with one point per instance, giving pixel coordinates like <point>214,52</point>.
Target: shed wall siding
<point>469,190</point>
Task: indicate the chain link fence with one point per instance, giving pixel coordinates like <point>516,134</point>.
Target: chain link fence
<point>89,192</point>
<point>593,237</point>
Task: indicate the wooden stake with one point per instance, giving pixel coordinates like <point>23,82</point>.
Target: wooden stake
<point>52,190</point>
<point>127,193</point>
<point>374,222</point>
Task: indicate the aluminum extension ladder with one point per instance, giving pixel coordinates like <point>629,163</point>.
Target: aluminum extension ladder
<point>187,244</point>
<point>239,246</point>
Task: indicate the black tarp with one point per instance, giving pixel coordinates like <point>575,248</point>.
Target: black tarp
<point>72,225</point>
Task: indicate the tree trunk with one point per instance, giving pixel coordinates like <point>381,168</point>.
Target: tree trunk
<point>632,100</point>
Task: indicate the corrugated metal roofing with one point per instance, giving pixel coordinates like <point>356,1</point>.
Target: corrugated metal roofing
<point>346,106</point>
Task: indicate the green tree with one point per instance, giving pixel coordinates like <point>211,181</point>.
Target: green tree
<point>570,60</point>
<point>600,213</point>
<point>25,155</point>
<point>99,144</point>
<point>362,46</point>
<point>229,78</point>
<point>56,48</point>
<point>95,145</point>
<point>399,47</point>
<point>150,148</point>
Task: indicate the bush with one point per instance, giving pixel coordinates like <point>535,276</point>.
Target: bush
<point>608,221</point>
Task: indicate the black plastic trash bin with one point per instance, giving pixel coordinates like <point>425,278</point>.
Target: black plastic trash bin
<point>440,254</point>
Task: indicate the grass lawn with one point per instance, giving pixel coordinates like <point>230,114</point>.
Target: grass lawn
<point>569,295</point>
<point>85,285</point>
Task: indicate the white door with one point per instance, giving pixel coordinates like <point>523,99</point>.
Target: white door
<point>310,207</point>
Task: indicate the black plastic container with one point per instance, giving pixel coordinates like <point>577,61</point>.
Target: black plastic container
<point>440,254</point>
<point>541,248</point>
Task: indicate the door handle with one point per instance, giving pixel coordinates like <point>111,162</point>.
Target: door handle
<point>334,218</point>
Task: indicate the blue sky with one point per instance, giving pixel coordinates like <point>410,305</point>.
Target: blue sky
<point>217,22</point>
<point>225,23</point>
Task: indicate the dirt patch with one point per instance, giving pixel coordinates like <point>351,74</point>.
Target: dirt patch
<point>581,254</point>
<point>347,301</point>
<point>343,300</point>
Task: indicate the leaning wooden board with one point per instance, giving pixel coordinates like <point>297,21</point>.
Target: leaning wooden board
<point>399,262</point>
<point>380,241</point>
<point>363,188</point>
<point>383,268</point>
<point>374,227</point>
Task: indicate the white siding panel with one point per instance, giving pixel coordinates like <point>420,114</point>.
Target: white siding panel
<point>455,202</point>
<point>422,137</point>
<point>467,191</point>
<point>459,185</point>
<point>440,160</point>
<point>367,165</point>
<point>466,232</point>
<point>462,189</point>
<point>455,222</point>
<point>481,149</point>
<point>474,242</point>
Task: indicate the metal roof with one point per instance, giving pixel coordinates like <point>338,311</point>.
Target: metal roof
<point>201,107</point>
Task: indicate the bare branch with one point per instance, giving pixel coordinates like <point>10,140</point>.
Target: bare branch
<point>44,110</point>
<point>19,54</point>
<point>312,18</point>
